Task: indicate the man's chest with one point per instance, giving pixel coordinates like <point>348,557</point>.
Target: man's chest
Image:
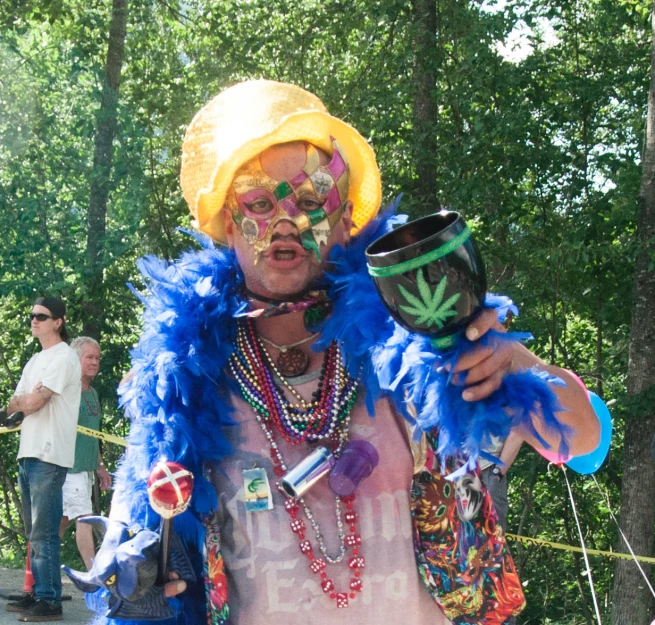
<point>265,557</point>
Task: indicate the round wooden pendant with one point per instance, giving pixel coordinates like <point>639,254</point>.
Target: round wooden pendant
<point>292,362</point>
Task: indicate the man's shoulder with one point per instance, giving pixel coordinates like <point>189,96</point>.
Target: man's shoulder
<point>58,350</point>
<point>33,359</point>
<point>62,360</point>
<point>66,352</point>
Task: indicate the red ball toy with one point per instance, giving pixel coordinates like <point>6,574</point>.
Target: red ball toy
<point>169,489</point>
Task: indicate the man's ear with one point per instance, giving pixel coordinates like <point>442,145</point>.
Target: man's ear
<point>228,224</point>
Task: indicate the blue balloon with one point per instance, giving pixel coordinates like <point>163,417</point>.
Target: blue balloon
<point>591,462</point>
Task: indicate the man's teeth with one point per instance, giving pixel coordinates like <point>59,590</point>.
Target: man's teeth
<point>285,254</point>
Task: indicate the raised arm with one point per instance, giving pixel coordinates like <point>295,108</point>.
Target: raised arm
<point>482,372</point>
<point>510,450</point>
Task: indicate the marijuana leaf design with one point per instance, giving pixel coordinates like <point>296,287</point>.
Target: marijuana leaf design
<point>255,485</point>
<point>429,309</point>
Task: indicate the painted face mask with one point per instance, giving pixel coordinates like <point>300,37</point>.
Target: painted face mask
<point>313,200</point>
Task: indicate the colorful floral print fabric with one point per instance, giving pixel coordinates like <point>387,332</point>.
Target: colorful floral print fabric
<point>461,551</point>
<point>215,579</point>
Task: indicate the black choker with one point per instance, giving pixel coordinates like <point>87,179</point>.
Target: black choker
<point>311,294</point>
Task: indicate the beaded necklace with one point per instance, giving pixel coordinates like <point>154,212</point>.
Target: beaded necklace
<point>322,417</point>
<point>326,415</point>
<point>291,361</point>
<point>96,408</point>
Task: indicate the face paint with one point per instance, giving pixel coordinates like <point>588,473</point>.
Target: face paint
<point>313,200</point>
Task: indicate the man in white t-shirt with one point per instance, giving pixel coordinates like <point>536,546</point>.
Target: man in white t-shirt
<point>49,395</point>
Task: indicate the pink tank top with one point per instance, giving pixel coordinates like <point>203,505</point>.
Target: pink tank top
<point>269,580</point>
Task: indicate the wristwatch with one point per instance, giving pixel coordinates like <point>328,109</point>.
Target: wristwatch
<point>495,470</point>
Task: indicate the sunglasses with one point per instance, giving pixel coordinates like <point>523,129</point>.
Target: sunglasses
<point>39,316</point>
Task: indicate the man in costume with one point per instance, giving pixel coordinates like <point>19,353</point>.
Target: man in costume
<point>253,356</point>
<point>48,393</point>
<point>78,487</point>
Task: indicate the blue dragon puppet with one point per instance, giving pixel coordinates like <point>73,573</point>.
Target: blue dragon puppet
<point>126,567</point>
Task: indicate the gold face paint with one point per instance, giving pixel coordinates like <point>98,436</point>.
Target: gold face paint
<point>313,200</point>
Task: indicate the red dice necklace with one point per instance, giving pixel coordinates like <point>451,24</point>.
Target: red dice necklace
<point>327,416</point>
<point>347,542</point>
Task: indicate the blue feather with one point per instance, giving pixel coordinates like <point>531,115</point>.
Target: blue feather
<point>502,304</point>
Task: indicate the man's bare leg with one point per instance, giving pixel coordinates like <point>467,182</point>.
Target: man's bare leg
<point>63,526</point>
<point>84,540</point>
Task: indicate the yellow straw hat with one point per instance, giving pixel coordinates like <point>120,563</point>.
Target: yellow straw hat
<point>251,116</point>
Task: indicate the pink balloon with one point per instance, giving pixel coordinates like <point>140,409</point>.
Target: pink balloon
<point>553,456</point>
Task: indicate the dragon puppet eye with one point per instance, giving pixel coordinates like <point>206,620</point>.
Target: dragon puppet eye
<point>131,533</point>
<point>111,580</point>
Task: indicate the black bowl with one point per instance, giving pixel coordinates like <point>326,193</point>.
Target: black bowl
<point>430,275</point>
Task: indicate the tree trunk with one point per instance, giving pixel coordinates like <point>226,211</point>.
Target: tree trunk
<point>633,603</point>
<point>599,344</point>
<point>93,306</point>
<point>425,197</point>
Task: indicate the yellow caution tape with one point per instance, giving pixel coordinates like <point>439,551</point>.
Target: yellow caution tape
<point>103,436</point>
<point>110,438</point>
<point>595,552</point>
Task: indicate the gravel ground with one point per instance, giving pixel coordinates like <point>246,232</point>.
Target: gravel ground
<point>75,610</point>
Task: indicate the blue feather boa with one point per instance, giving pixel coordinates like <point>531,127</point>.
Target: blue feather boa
<point>177,397</point>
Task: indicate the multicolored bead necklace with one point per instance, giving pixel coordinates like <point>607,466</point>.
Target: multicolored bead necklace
<point>327,415</point>
<point>320,418</point>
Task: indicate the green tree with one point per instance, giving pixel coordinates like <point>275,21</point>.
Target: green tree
<point>107,121</point>
<point>542,154</point>
<point>631,603</point>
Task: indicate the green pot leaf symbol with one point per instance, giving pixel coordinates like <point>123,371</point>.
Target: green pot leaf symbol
<point>429,309</point>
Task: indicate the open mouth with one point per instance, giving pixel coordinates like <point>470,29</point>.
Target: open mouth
<point>286,251</point>
<point>284,254</point>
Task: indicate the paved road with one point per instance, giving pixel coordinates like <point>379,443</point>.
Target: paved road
<point>75,610</point>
